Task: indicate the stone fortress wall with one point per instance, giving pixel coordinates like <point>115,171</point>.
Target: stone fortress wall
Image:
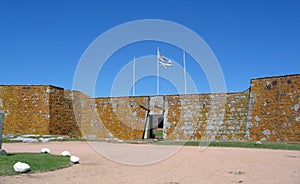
<point>267,111</point>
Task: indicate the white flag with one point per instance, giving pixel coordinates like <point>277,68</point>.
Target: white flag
<point>164,61</point>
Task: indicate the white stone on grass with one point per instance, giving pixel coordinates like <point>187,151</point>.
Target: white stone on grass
<point>258,143</point>
<point>30,135</point>
<point>45,140</point>
<point>45,150</point>
<point>24,139</point>
<point>65,154</point>
<point>60,138</point>
<point>21,167</point>
<point>74,159</point>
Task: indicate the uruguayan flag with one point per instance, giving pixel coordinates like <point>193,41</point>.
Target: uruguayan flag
<point>164,61</point>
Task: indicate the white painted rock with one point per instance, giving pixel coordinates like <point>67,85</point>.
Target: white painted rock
<point>24,139</point>
<point>258,143</point>
<point>21,167</point>
<point>45,140</point>
<point>65,154</point>
<point>45,150</point>
<point>74,159</point>
<point>60,138</point>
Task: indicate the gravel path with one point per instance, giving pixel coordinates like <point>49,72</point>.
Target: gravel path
<point>188,165</point>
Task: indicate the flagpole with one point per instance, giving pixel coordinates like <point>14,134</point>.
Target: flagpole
<point>157,74</point>
<point>133,77</point>
<point>184,72</point>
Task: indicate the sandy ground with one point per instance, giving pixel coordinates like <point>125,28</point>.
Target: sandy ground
<point>187,165</point>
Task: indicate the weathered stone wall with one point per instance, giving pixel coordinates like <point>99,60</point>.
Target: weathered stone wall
<point>87,118</point>
<point>100,118</point>
<point>268,111</point>
<point>274,109</point>
<point>124,117</point>
<point>62,118</point>
<point>56,109</point>
<point>37,110</point>
<point>207,116</point>
<point>71,123</point>
<point>26,109</point>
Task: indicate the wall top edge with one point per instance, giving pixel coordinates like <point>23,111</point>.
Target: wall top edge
<point>207,93</point>
<point>30,85</point>
<point>274,77</point>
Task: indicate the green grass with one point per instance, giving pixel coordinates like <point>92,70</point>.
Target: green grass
<point>7,140</point>
<point>158,133</point>
<point>281,146</point>
<point>41,136</point>
<point>38,162</point>
<point>70,139</point>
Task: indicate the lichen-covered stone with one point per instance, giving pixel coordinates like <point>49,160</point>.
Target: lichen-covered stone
<point>277,106</point>
<point>267,111</point>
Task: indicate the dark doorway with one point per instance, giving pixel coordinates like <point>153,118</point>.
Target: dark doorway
<point>157,126</point>
<point>160,123</point>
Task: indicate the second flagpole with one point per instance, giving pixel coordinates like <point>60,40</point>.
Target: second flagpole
<point>184,71</point>
<point>157,72</point>
<point>133,77</point>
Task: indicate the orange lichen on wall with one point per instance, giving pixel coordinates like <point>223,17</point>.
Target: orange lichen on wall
<point>274,109</point>
<point>267,111</point>
<point>26,109</point>
<point>124,117</point>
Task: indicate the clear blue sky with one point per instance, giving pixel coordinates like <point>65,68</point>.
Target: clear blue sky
<point>41,41</point>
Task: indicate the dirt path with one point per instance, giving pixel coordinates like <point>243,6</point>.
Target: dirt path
<point>188,165</point>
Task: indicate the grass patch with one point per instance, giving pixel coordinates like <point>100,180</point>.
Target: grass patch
<point>279,146</point>
<point>39,136</point>
<point>38,162</point>
<point>158,133</point>
<point>282,146</point>
<point>7,140</point>
<point>70,139</point>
